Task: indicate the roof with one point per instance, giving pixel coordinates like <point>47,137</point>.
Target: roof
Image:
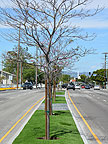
<point>7,73</point>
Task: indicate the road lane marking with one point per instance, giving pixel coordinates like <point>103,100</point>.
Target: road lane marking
<point>94,135</point>
<point>19,120</point>
<point>105,100</point>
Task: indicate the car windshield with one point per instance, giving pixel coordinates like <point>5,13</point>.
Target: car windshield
<point>27,83</point>
<point>71,83</point>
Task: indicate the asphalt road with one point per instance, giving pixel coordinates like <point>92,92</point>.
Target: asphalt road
<point>13,105</point>
<point>93,105</point>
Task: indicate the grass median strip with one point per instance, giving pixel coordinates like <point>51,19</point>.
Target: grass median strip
<point>62,92</point>
<point>62,127</point>
<point>59,100</point>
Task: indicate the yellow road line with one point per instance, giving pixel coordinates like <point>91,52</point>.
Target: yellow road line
<point>19,120</point>
<point>96,138</point>
<point>7,88</point>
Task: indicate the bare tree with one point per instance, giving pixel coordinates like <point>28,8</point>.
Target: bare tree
<point>48,24</point>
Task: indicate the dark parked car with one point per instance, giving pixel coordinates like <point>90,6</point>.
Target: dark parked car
<point>27,85</point>
<point>87,87</point>
<point>71,86</point>
<point>64,85</point>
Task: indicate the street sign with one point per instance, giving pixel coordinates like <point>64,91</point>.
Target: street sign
<point>94,74</point>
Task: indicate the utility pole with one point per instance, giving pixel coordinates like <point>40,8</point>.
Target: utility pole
<point>105,71</point>
<point>20,69</point>
<point>1,71</point>
<point>36,65</point>
<point>18,57</point>
<point>21,72</point>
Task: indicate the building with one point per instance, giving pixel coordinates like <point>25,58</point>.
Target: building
<point>7,78</point>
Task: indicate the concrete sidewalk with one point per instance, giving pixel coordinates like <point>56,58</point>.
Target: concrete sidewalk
<point>58,106</point>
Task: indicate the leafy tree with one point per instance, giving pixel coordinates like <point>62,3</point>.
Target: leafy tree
<point>65,78</point>
<point>83,78</point>
<point>30,73</point>
<point>1,78</point>
<point>10,59</point>
<point>98,76</point>
<point>10,64</point>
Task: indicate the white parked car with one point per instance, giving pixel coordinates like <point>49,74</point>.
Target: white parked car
<point>77,86</point>
<point>96,87</point>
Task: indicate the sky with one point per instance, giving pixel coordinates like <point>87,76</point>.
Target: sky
<point>97,24</point>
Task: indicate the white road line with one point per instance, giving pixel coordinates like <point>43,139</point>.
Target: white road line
<point>105,100</point>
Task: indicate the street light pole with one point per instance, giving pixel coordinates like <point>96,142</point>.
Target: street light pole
<point>105,71</point>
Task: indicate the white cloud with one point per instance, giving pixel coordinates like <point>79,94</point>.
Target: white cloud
<point>6,3</point>
<point>5,27</point>
<point>93,24</point>
<point>95,3</point>
<point>98,21</point>
<point>95,67</point>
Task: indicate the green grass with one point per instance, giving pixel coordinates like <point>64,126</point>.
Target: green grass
<point>60,92</point>
<point>62,127</point>
<point>59,99</point>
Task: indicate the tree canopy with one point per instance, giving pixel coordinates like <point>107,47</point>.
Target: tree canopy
<point>98,76</point>
<point>65,78</point>
<point>10,64</point>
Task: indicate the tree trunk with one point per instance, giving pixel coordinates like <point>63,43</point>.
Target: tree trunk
<point>54,90</point>
<point>50,95</point>
<point>47,110</point>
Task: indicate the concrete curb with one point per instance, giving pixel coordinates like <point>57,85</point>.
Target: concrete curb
<point>25,122</point>
<point>76,122</point>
